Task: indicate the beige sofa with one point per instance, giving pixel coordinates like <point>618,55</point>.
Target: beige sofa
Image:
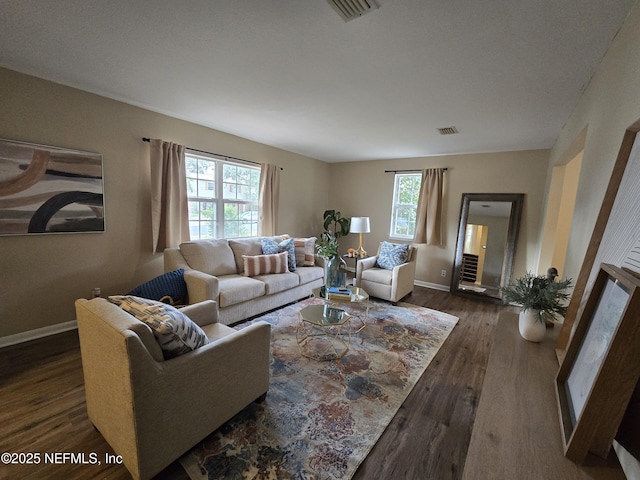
<point>151,410</point>
<point>214,270</point>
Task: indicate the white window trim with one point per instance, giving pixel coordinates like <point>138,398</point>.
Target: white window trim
<point>394,208</point>
<point>219,183</point>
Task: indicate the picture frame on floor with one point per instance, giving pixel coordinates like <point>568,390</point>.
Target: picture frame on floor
<point>601,366</point>
<point>45,189</point>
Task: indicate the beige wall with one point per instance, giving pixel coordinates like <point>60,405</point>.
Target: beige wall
<point>609,104</point>
<point>363,189</point>
<point>42,275</point>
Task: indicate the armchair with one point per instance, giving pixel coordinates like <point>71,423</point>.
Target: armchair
<point>391,285</point>
<point>152,410</point>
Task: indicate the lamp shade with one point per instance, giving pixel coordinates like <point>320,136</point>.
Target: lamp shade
<point>359,225</point>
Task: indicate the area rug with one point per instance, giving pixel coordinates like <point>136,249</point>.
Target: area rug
<point>321,419</point>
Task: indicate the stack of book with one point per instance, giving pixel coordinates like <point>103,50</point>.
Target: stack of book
<point>339,293</point>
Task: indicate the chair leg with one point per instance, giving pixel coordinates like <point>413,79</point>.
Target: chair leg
<point>261,398</point>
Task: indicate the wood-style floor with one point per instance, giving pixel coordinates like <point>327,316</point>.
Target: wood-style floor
<point>42,405</point>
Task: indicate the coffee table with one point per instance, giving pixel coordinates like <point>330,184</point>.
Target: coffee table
<point>356,304</point>
<point>324,332</point>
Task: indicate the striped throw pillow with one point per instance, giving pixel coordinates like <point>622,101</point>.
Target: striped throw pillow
<point>265,264</point>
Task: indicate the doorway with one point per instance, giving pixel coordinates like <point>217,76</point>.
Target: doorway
<point>559,216</point>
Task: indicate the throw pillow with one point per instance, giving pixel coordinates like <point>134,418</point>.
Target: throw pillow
<point>175,332</point>
<point>265,264</point>
<point>392,255</point>
<point>168,288</point>
<point>305,249</point>
<point>270,247</point>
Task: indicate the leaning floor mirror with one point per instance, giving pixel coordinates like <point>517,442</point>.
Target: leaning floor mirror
<point>485,251</point>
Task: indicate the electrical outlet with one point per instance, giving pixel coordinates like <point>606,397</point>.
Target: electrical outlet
<point>443,273</point>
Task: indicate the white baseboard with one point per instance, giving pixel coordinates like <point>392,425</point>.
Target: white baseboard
<point>435,286</point>
<point>37,333</point>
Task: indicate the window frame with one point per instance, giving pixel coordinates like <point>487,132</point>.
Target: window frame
<point>219,225</point>
<point>396,205</point>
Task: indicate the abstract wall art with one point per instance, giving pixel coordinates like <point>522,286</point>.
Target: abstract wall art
<point>47,189</point>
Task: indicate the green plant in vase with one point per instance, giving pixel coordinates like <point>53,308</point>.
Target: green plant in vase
<point>335,226</point>
<point>542,300</point>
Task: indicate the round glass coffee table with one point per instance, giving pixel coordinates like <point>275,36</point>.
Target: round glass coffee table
<point>324,332</point>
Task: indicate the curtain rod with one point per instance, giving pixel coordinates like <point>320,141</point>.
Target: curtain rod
<point>416,171</point>
<point>145,139</point>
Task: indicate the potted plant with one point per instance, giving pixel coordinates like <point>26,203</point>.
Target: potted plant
<point>335,226</point>
<point>541,298</point>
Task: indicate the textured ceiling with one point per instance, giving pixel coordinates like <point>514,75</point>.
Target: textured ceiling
<point>294,75</point>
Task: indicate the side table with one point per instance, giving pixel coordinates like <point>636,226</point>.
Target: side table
<point>355,268</point>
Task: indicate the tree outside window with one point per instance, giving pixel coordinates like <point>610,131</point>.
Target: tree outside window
<point>223,198</point>
<point>406,192</point>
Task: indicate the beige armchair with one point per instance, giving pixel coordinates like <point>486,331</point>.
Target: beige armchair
<point>152,410</point>
<point>391,285</point>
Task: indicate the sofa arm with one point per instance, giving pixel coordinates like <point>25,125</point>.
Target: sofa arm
<point>320,261</point>
<point>178,402</point>
<point>403,278</point>
<point>365,264</point>
<point>201,286</point>
<point>173,260</point>
<point>203,313</point>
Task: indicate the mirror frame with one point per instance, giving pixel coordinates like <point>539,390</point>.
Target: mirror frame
<point>517,201</point>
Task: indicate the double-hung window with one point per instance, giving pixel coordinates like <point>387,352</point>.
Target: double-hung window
<point>406,192</point>
<point>223,197</point>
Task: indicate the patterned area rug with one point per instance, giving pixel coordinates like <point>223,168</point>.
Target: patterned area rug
<point>321,419</point>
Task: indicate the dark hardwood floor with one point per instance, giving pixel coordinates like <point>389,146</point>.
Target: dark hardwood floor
<point>42,405</point>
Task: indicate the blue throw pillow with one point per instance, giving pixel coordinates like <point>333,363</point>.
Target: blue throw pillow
<point>392,255</point>
<point>168,288</point>
<point>271,247</point>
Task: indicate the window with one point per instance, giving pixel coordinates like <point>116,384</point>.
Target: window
<point>406,192</point>
<point>223,197</point>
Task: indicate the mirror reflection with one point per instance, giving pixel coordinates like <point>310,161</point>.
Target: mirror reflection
<point>486,243</point>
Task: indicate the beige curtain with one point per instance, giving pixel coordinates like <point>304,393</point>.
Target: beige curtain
<point>269,198</point>
<point>169,206</point>
<point>429,214</point>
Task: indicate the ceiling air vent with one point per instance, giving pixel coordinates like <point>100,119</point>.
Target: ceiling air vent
<point>350,9</point>
<point>448,130</point>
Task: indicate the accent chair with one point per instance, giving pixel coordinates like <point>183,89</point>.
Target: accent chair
<point>392,282</point>
<point>151,410</point>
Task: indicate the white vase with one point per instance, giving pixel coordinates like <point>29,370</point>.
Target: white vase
<point>530,326</point>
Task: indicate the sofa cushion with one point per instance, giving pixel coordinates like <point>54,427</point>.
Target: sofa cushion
<point>391,255</point>
<point>279,282</point>
<point>168,288</point>
<point>265,264</point>
<point>309,274</point>
<point>214,257</point>
<point>175,332</point>
<point>237,289</point>
<point>270,247</point>
<point>378,275</point>
<point>305,249</point>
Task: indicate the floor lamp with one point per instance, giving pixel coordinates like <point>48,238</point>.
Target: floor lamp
<point>360,225</point>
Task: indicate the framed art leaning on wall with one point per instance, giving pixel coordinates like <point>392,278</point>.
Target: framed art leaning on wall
<point>47,189</point>
<point>601,366</point>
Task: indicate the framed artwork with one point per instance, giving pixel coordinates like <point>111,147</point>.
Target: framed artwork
<point>47,189</point>
<point>601,366</point>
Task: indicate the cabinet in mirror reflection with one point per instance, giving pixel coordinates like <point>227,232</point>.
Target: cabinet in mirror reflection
<point>486,244</point>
